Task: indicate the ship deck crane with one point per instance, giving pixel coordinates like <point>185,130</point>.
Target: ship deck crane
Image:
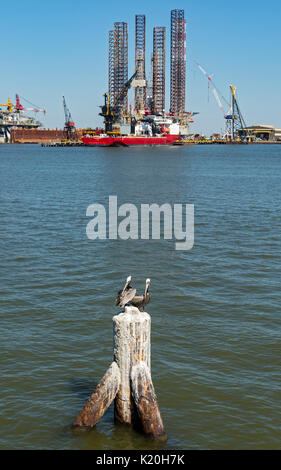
<point>111,113</point>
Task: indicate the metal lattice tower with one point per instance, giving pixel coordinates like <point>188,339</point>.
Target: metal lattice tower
<point>140,87</point>
<point>235,124</point>
<point>159,34</point>
<point>118,62</point>
<point>149,87</point>
<point>111,67</point>
<point>178,62</point>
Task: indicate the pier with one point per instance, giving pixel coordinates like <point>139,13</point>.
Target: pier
<point>62,144</point>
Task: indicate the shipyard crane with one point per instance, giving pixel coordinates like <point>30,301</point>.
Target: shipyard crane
<point>69,132</point>
<point>9,105</point>
<point>111,113</point>
<point>214,90</point>
<point>234,123</point>
<point>19,107</point>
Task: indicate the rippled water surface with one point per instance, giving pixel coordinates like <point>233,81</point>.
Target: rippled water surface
<point>215,309</point>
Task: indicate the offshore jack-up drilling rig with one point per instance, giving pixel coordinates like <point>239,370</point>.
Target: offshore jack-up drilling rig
<point>13,117</point>
<point>148,130</point>
<point>146,122</point>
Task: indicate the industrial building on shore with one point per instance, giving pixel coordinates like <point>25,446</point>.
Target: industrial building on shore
<point>264,132</point>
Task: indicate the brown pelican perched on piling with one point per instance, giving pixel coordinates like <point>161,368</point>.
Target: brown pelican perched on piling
<point>140,301</point>
<point>125,295</point>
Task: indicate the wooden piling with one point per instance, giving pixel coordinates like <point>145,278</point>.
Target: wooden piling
<point>146,402</point>
<point>131,346</point>
<point>128,380</point>
<point>101,398</point>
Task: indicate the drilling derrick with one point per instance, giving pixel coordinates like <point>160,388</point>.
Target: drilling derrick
<point>140,82</point>
<point>178,63</point>
<point>159,69</point>
<point>118,63</point>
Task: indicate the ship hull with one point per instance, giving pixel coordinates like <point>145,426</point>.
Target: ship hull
<point>127,141</point>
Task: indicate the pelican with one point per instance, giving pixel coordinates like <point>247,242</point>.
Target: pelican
<point>140,301</point>
<point>125,295</point>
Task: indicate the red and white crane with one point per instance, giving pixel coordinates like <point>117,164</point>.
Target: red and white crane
<point>19,106</point>
<point>214,90</point>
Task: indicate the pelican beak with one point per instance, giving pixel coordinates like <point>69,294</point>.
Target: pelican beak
<point>147,282</point>
<point>128,280</point>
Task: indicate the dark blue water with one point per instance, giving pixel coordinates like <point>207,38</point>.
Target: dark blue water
<point>215,309</point>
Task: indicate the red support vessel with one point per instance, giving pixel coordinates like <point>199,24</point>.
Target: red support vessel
<point>146,129</point>
<point>104,140</point>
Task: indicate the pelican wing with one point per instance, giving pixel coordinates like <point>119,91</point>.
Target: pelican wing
<point>138,301</point>
<point>138,298</point>
<point>127,297</point>
<point>118,298</point>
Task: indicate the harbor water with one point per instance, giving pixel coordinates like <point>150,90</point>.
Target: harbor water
<point>215,309</point>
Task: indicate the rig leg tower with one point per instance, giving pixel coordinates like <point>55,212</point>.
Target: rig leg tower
<point>118,63</point>
<point>159,34</point>
<point>178,63</point>
<point>140,82</point>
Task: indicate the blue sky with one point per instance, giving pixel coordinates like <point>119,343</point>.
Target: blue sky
<point>60,47</point>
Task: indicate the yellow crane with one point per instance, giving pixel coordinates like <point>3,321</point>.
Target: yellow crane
<point>9,105</point>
